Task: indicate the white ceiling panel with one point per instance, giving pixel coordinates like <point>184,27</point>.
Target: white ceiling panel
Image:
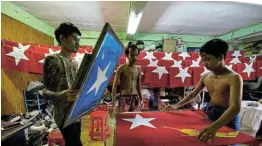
<point>176,17</point>
<point>198,18</point>
<point>87,15</point>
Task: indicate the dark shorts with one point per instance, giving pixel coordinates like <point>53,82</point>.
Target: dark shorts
<point>214,112</point>
<point>128,103</point>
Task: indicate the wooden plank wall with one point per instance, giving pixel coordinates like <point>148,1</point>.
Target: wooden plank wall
<point>14,82</point>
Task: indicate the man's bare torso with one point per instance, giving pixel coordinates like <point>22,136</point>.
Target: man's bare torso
<point>218,87</point>
<point>128,79</point>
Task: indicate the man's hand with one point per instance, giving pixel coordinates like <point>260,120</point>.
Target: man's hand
<point>172,107</point>
<point>207,133</point>
<point>69,94</point>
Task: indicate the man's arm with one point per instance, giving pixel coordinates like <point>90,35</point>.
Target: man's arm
<point>193,94</point>
<point>138,86</point>
<point>116,79</point>
<point>51,78</point>
<point>236,91</point>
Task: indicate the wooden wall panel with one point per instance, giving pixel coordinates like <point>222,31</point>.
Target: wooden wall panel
<point>14,82</point>
<point>14,30</point>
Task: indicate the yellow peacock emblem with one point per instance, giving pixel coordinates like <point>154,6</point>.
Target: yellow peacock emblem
<point>192,132</point>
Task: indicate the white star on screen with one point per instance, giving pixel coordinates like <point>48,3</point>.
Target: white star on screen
<point>101,78</point>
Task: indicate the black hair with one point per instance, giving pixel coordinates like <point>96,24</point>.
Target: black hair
<point>133,47</point>
<point>65,29</point>
<point>215,47</point>
<point>139,42</point>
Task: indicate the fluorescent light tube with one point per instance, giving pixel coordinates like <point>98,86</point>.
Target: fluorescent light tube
<point>133,23</point>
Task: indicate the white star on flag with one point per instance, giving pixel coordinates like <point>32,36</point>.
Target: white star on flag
<point>153,63</point>
<point>138,121</point>
<point>205,71</point>
<point>160,71</point>
<point>184,55</point>
<point>199,59</point>
<point>19,53</point>
<point>78,58</point>
<point>50,53</point>
<point>235,61</point>
<point>177,63</point>
<point>236,54</point>
<point>183,73</point>
<point>195,63</point>
<point>252,58</point>
<point>249,68</point>
<point>149,55</point>
<point>229,66</point>
<point>168,56</point>
<point>88,52</point>
<point>101,78</point>
<point>103,56</point>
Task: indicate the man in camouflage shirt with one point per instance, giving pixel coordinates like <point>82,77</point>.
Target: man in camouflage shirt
<point>59,74</point>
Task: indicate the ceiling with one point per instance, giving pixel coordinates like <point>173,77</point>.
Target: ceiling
<point>188,18</point>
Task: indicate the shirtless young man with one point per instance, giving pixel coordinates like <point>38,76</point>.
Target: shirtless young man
<point>224,86</point>
<point>130,80</point>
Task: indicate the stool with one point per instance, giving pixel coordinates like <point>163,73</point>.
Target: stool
<point>98,127</point>
<point>146,104</point>
<point>55,137</point>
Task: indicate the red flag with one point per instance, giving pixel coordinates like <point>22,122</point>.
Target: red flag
<point>142,54</point>
<point>148,55</point>
<point>182,56</point>
<point>143,73</point>
<point>157,76</point>
<point>259,69</point>
<point>142,62</point>
<point>122,61</point>
<point>39,49</point>
<point>181,77</point>
<point>36,62</point>
<point>193,63</point>
<point>234,54</point>
<point>166,63</point>
<point>170,128</point>
<point>14,58</point>
<point>252,59</point>
<point>247,71</point>
<point>194,55</point>
<point>198,72</point>
<point>123,55</point>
